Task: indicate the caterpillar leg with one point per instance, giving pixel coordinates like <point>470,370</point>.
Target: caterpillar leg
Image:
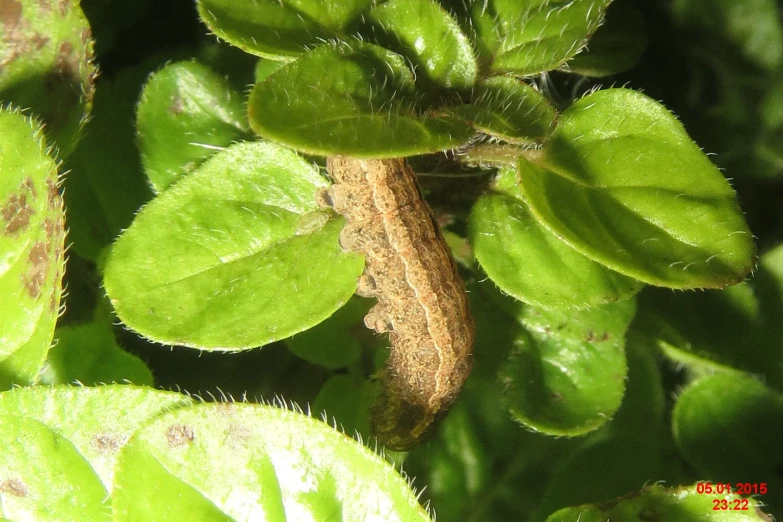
<point>378,319</point>
<point>366,286</point>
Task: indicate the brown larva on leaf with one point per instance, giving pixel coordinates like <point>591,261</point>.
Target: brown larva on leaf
<point>421,299</point>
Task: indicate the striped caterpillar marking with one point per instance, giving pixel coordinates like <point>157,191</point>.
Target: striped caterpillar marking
<point>421,299</point>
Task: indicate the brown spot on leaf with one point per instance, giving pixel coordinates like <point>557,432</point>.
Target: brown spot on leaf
<point>63,6</point>
<point>179,434</point>
<point>35,276</point>
<point>176,106</point>
<point>53,194</point>
<point>16,213</point>
<point>39,40</point>
<point>14,486</point>
<point>10,14</point>
<point>106,442</point>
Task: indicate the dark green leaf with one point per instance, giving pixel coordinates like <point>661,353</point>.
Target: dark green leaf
<point>616,46</point>
<point>526,38</point>
<point>728,426</point>
<point>423,32</point>
<point>46,65</point>
<point>666,505</point>
<point>279,29</point>
<point>355,99</point>
<point>567,374</point>
<point>509,109</point>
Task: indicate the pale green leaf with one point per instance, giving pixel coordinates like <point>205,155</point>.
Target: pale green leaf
<point>32,248</point>
<point>622,182</point>
<point>248,462</point>
<point>235,255</point>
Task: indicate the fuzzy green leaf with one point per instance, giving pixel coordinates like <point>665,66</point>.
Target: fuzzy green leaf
<point>336,342</point>
<point>529,262</point>
<point>736,328</point>
<point>233,256</point>
<point>616,46</point>
<point>46,65</point>
<point>89,354</point>
<point>279,29</point>
<point>423,32</point>
<point>666,505</point>
<point>32,246</point>
<point>509,109</point>
<point>186,113</point>
<point>728,426</point>
<point>754,27</point>
<point>641,197</point>
<point>567,374</point>
<point>105,185</point>
<point>345,401</point>
<point>362,106</point>
<point>251,462</point>
<point>97,421</point>
<point>43,477</point>
<point>529,37</point>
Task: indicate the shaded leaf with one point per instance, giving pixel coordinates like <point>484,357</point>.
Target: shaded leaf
<point>46,65</point>
<point>666,505</point>
<point>728,426</point>
<point>278,29</point>
<point>423,32</point>
<point>567,373</point>
<point>509,109</point>
<point>526,39</point>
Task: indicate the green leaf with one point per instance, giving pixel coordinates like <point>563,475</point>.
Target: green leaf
<point>105,185</point>
<point>456,466</point>
<point>43,476</point>
<point>336,342</point>
<point>666,505</point>
<point>89,354</point>
<point>241,462</point>
<point>537,36</point>
<point>46,65</point>
<point>752,26</point>
<point>279,29</point>
<point>567,374</point>
<point>232,256</point>
<point>185,114</point>
<point>641,197</point>
<point>531,263</point>
<point>728,426</point>
<point>96,421</point>
<point>345,401</point>
<point>32,248</point>
<point>423,32</point>
<point>616,46</point>
<point>363,106</point>
<point>509,109</point>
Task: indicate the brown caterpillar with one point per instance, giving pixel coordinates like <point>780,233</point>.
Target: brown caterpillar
<point>421,299</point>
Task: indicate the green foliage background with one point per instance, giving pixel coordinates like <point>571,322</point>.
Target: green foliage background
<point>583,215</point>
